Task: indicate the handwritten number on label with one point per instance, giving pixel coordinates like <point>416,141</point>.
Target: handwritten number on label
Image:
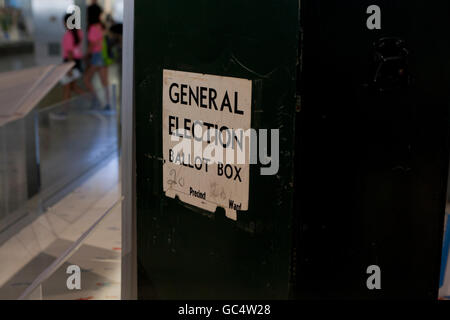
<point>174,181</point>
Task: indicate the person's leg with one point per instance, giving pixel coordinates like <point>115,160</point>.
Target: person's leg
<point>92,70</point>
<point>61,112</point>
<point>77,89</point>
<point>67,91</point>
<point>88,75</point>
<point>104,77</point>
<point>65,108</point>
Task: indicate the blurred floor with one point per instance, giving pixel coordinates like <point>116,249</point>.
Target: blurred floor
<point>100,256</point>
<point>36,246</point>
<point>70,147</point>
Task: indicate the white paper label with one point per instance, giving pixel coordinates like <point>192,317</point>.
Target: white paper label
<point>205,147</point>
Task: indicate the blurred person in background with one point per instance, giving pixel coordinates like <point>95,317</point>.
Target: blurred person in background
<point>94,9</point>
<point>96,47</point>
<point>72,48</point>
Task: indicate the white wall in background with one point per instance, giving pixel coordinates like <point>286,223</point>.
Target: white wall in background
<point>118,11</point>
<point>48,29</point>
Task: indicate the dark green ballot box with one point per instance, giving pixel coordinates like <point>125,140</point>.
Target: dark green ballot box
<point>355,169</point>
<point>249,48</point>
<point>371,171</point>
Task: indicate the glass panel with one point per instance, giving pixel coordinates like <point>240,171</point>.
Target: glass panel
<point>95,266</point>
<point>74,146</point>
<point>13,180</point>
<point>92,135</point>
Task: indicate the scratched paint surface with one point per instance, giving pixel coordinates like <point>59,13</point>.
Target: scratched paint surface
<point>184,251</point>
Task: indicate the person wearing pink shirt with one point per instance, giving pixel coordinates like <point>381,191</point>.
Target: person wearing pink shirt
<point>97,63</point>
<point>72,52</point>
<point>72,47</point>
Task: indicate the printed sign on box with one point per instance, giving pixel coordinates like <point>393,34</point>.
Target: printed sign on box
<point>205,142</point>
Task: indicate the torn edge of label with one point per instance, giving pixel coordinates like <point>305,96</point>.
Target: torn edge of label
<point>202,204</point>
